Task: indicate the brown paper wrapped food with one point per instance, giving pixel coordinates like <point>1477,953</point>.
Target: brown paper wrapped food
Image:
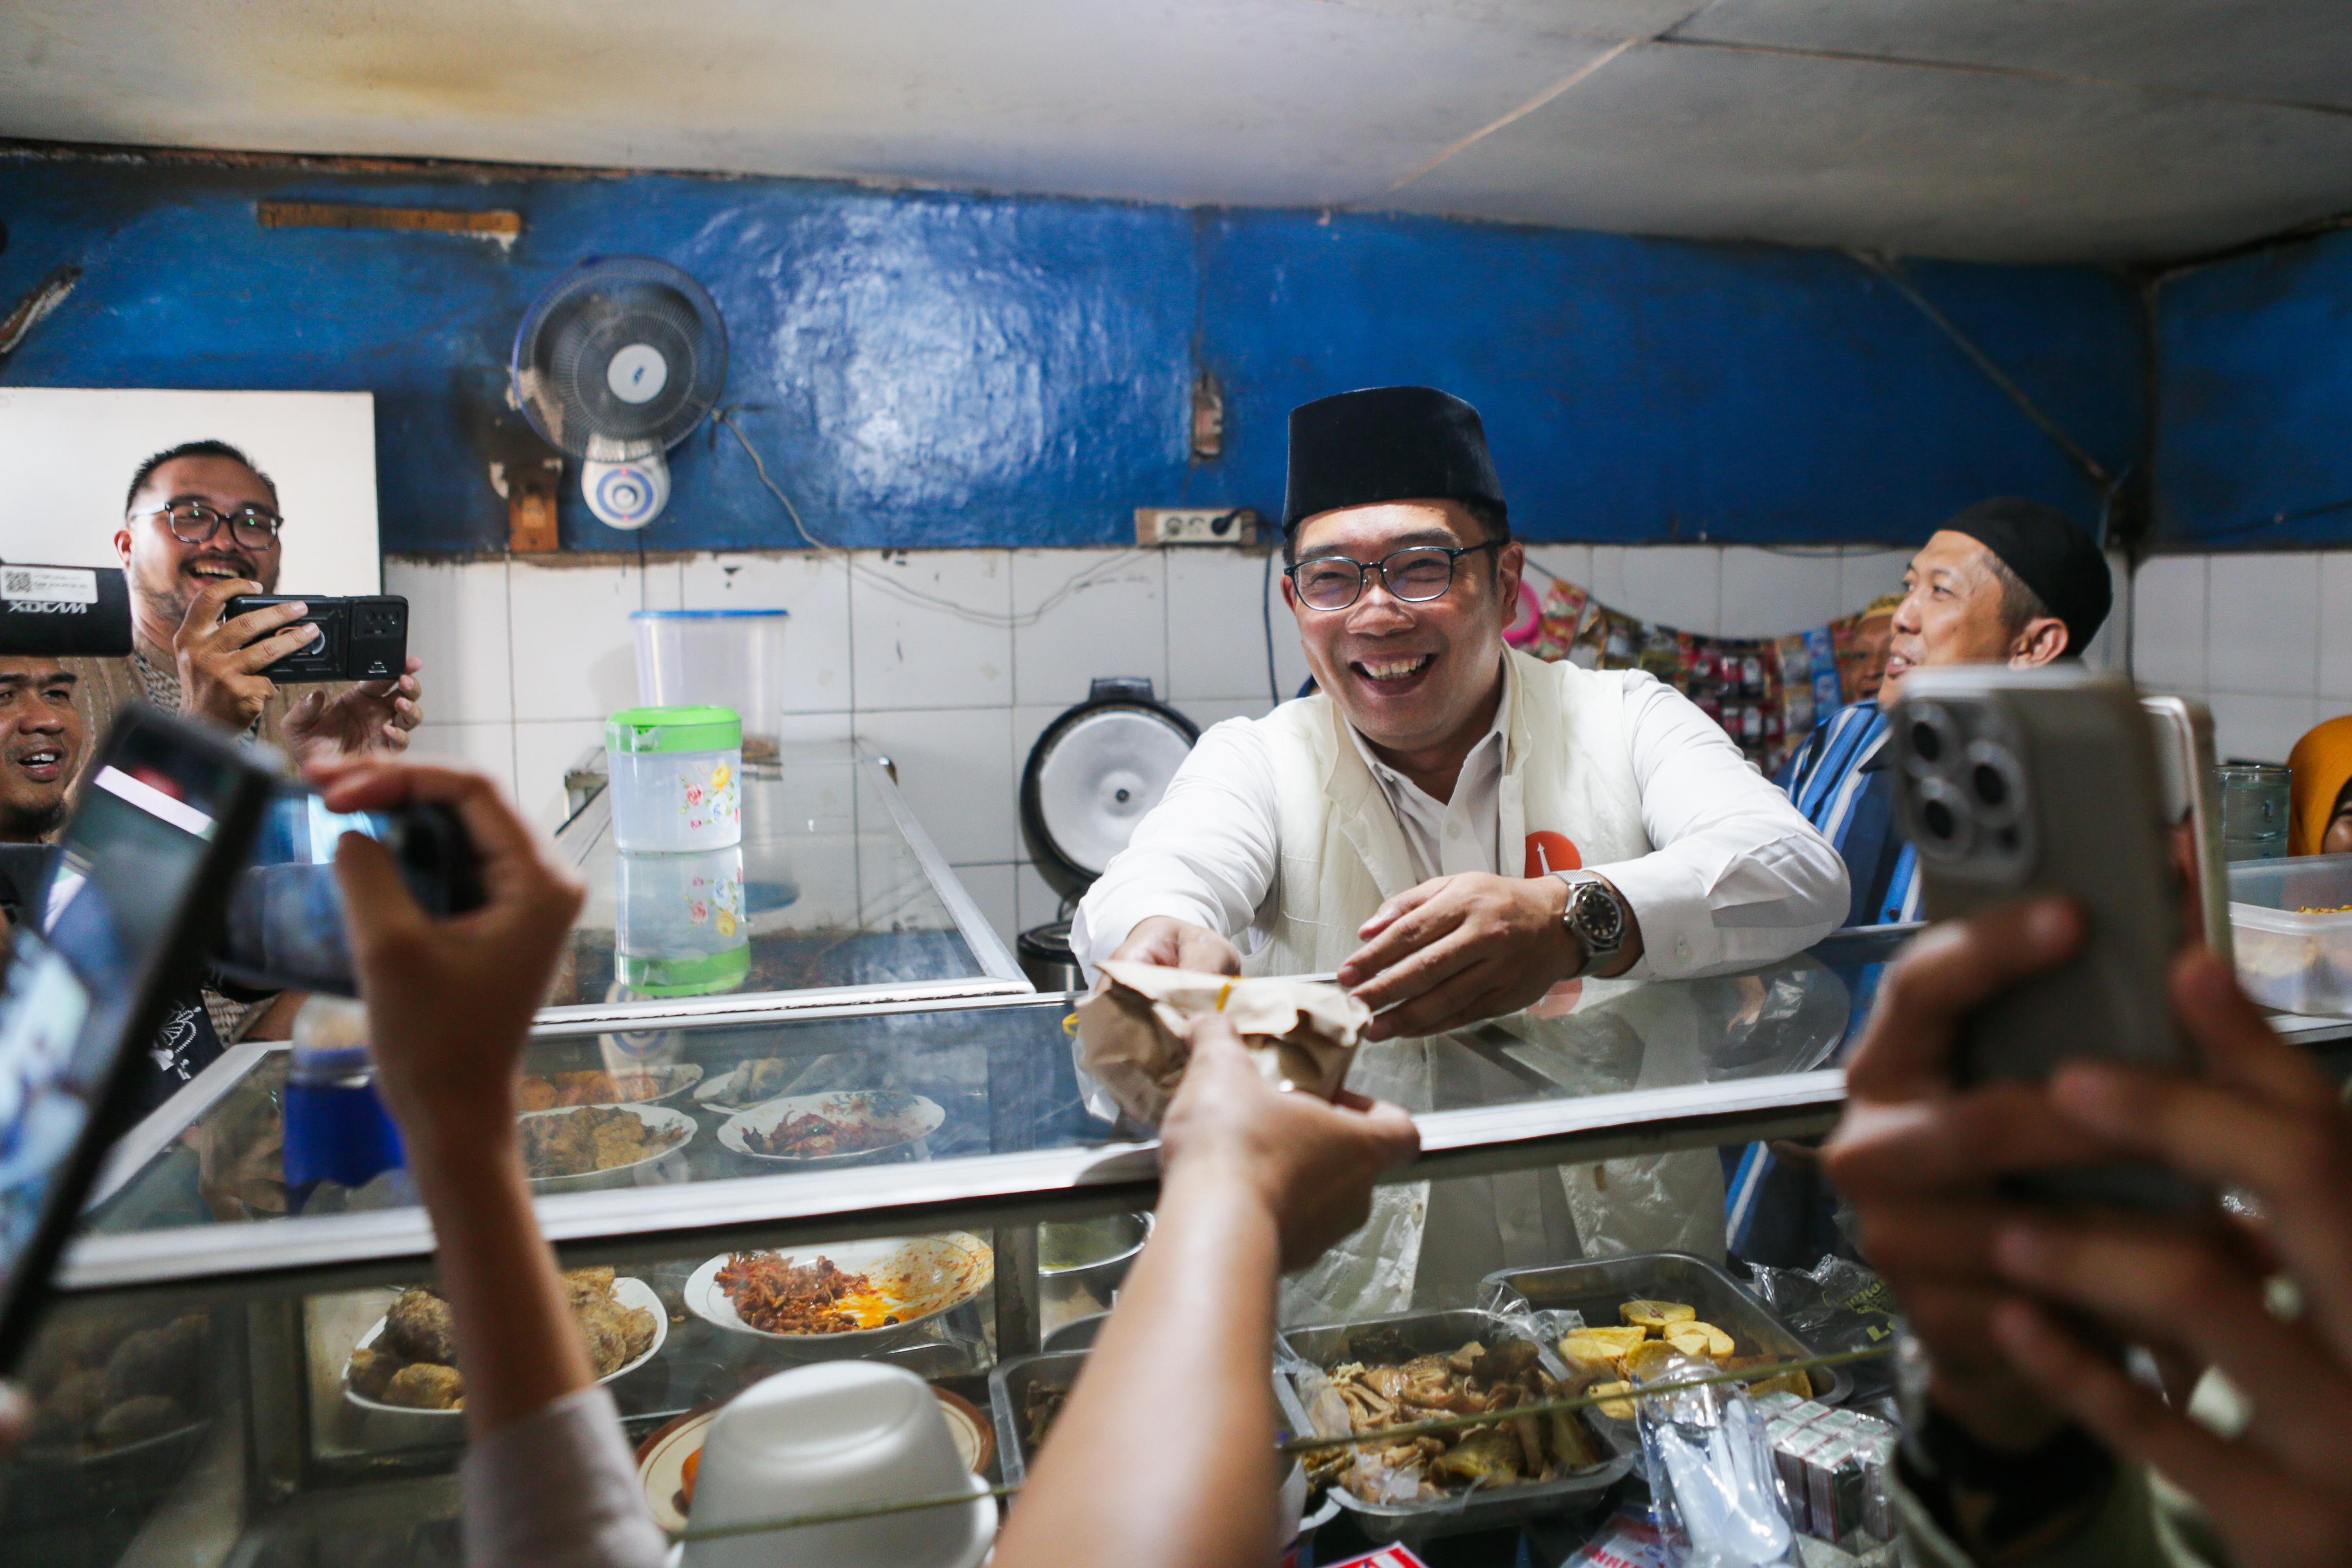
<point>1301,1033</point>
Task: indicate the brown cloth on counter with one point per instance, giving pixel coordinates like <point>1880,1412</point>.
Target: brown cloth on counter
<point>1302,1034</point>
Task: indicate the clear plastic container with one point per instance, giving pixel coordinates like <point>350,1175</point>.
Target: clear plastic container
<point>2296,962</point>
<point>681,930</point>
<point>677,779</point>
<point>720,658</point>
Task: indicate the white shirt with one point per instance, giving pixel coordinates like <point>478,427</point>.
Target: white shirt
<point>1737,876</point>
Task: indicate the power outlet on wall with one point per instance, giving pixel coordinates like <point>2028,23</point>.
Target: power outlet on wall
<point>1195,526</point>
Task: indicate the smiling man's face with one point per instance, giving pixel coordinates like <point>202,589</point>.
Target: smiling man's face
<point>1410,676</point>
<point>42,737</point>
<point>166,572</point>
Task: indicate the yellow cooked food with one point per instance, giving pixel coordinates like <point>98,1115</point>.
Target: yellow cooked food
<point>1648,1359</point>
<point>1621,1410</point>
<point>1649,1315</point>
<point>1699,1339</point>
<point>1589,1348</point>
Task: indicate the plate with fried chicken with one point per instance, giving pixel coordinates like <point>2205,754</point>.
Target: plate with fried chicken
<point>406,1365</point>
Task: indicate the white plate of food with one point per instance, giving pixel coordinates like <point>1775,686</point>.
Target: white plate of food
<point>596,1086</point>
<point>408,1370</point>
<point>810,1131</point>
<point>584,1147</point>
<point>852,1294</point>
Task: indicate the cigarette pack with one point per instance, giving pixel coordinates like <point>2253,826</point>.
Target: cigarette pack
<point>1834,1485</point>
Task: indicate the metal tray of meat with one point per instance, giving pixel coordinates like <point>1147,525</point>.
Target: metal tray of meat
<point>1009,1388</point>
<point>1597,1287</point>
<point>1443,1332</point>
<point>1008,1396</point>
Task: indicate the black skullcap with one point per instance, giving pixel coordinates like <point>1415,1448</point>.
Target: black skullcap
<point>1386,443</point>
<point>2052,555</point>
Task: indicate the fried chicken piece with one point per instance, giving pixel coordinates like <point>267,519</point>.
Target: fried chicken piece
<point>637,1327</point>
<point>1489,1456</point>
<point>369,1370</point>
<point>420,1327</point>
<point>605,1334</point>
<point>586,1284</point>
<point>69,1408</point>
<point>615,1144</point>
<point>426,1386</point>
<point>1512,1358</point>
<point>537,1094</point>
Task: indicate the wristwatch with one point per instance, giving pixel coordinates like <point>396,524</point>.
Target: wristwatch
<point>1595,917</point>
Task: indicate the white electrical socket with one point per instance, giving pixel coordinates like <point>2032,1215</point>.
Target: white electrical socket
<point>1195,526</point>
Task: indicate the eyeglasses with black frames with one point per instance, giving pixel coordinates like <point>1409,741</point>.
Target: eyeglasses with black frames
<point>193,522</point>
<point>1416,575</point>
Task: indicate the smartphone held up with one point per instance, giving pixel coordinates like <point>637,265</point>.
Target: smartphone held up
<point>2018,784</point>
<point>283,927</point>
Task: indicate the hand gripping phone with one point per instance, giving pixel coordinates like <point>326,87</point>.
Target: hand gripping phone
<point>117,929</point>
<point>284,928</point>
<point>2024,783</point>
<point>360,638</point>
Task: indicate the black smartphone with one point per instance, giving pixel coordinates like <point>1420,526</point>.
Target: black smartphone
<point>117,928</point>
<point>363,638</point>
<point>2020,783</point>
<point>284,928</point>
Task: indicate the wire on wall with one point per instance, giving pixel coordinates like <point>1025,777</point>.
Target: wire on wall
<point>1101,572</point>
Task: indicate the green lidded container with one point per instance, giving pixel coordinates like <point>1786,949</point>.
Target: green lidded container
<point>637,730</point>
<point>677,779</point>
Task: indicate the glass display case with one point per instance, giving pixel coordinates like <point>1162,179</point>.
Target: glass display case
<point>835,892</point>
<point>201,1394</point>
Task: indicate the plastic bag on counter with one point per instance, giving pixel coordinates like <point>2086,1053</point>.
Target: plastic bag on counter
<point>1837,1304</point>
<point>1711,1473</point>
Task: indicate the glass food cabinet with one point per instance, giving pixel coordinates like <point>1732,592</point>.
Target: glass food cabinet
<point>194,1381</point>
<point>835,892</point>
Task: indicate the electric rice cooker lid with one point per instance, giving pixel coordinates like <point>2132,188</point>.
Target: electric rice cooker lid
<point>1094,773</point>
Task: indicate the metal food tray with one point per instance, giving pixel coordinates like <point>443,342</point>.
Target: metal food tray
<point>1443,1332</point>
<point>1597,1288</point>
<point>1008,1395</point>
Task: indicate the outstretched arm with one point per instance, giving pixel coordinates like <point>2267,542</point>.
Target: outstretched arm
<point>1176,1402</point>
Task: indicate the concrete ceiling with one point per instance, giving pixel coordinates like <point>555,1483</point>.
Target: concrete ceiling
<point>1993,130</point>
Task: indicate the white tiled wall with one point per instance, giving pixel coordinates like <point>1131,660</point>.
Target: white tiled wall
<point>2265,639</point>
<point>954,661</point>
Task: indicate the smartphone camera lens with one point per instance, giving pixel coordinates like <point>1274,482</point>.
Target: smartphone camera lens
<point>1929,739</point>
<point>1994,781</point>
<point>1946,826</point>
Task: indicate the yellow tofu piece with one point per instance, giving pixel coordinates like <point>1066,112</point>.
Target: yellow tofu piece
<point>1796,1382</point>
<point>1649,1315</point>
<point>1585,1354</point>
<point>1620,1409</point>
<point>1699,1339</point>
<point>1648,1359</point>
<point>1618,1340</point>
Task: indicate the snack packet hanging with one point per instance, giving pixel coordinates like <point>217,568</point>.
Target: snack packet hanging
<point>1132,1032</point>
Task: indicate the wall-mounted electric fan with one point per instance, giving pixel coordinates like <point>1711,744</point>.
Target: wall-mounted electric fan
<point>615,363</point>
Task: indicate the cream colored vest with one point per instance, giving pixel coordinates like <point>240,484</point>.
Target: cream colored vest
<point>1568,798</point>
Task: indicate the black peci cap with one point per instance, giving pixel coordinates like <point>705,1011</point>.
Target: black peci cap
<point>2051,554</point>
<point>1386,443</point>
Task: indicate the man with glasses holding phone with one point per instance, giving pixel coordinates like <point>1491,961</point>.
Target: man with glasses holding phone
<point>200,526</point>
<point>1462,833</point>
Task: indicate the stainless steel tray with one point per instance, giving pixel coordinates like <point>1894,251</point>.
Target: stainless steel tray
<point>1444,1331</point>
<point>1597,1287</point>
<point>1008,1395</point>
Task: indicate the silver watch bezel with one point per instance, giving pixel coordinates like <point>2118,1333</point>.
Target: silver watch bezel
<point>1582,892</point>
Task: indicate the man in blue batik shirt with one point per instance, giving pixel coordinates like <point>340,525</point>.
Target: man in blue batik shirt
<point>2007,581</point>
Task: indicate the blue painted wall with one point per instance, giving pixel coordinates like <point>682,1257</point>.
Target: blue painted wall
<point>941,370</point>
<point>2254,443</point>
